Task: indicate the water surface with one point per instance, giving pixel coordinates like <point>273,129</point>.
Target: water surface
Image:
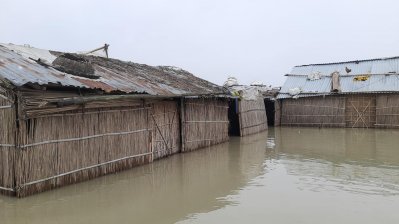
<point>285,175</point>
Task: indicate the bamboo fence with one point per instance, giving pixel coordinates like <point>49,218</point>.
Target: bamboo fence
<point>326,111</point>
<point>205,123</point>
<point>252,116</point>
<point>166,129</point>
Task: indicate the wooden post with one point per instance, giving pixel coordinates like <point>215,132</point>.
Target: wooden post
<point>239,112</point>
<point>149,130</point>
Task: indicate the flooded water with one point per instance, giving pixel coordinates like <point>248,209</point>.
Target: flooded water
<point>285,175</point>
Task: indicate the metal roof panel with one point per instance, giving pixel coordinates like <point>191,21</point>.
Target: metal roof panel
<point>115,75</point>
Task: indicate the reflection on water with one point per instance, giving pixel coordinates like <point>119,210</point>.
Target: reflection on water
<point>285,175</point>
<point>355,160</point>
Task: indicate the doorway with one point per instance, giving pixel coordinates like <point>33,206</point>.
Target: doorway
<point>270,111</point>
<point>234,127</point>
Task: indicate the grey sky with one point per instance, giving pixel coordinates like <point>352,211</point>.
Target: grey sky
<point>249,39</point>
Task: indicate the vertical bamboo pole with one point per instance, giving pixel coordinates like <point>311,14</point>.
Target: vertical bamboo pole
<point>182,125</point>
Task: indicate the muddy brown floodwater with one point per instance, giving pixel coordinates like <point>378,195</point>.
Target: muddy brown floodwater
<point>284,175</point>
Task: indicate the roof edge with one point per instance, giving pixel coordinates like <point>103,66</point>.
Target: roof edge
<point>346,62</point>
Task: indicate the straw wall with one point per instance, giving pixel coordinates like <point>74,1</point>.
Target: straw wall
<point>166,129</point>
<point>360,111</point>
<point>387,111</point>
<point>326,111</point>
<point>252,116</point>
<point>59,149</point>
<point>205,123</point>
<point>7,142</point>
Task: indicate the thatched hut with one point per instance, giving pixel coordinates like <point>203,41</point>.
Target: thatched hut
<point>355,94</point>
<point>68,118</point>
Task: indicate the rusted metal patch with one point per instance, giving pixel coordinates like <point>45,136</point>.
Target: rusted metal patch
<point>93,84</point>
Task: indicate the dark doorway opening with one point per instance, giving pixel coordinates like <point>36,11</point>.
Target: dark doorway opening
<point>270,111</point>
<point>234,127</point>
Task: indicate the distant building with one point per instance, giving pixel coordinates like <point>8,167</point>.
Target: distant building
<point>355,94</point>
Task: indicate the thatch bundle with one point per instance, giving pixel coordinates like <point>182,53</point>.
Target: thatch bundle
<point>74,64</point>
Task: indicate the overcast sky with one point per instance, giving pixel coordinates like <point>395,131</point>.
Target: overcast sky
<point>249,39</point>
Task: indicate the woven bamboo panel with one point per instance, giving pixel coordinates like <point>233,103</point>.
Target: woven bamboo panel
<point>59,144</point>
<point>326,111</point>
<point>166,129</point>
<point>360,111</point>
<point>252,116</point>
<point>387,111</point>
<point>205,123</point>
<point>7,140</point>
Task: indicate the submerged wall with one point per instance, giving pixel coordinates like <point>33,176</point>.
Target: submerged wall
<point>326,111</point>
<point>352,111</point>
<point>205,123</point>
<point>53,148</point>
<point>166,128</point>
<point>59,149</point>
<point>387,111</point>
<point>252,116</point>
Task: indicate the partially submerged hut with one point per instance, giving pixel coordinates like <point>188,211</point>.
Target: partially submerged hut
<point>247,111</point>
<point>355,94</point>
<point>66,118</point>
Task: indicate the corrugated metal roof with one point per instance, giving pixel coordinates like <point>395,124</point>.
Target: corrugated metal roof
<point>116,75</point>
<point>383,77</point>
<point>20,71</point>
<point>375,83</point>
<point>372,66</point>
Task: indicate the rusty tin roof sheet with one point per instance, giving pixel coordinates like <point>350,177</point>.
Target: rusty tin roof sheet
<point>115,75</point>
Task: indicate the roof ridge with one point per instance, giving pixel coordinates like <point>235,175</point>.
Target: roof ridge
<point>353,61</point>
